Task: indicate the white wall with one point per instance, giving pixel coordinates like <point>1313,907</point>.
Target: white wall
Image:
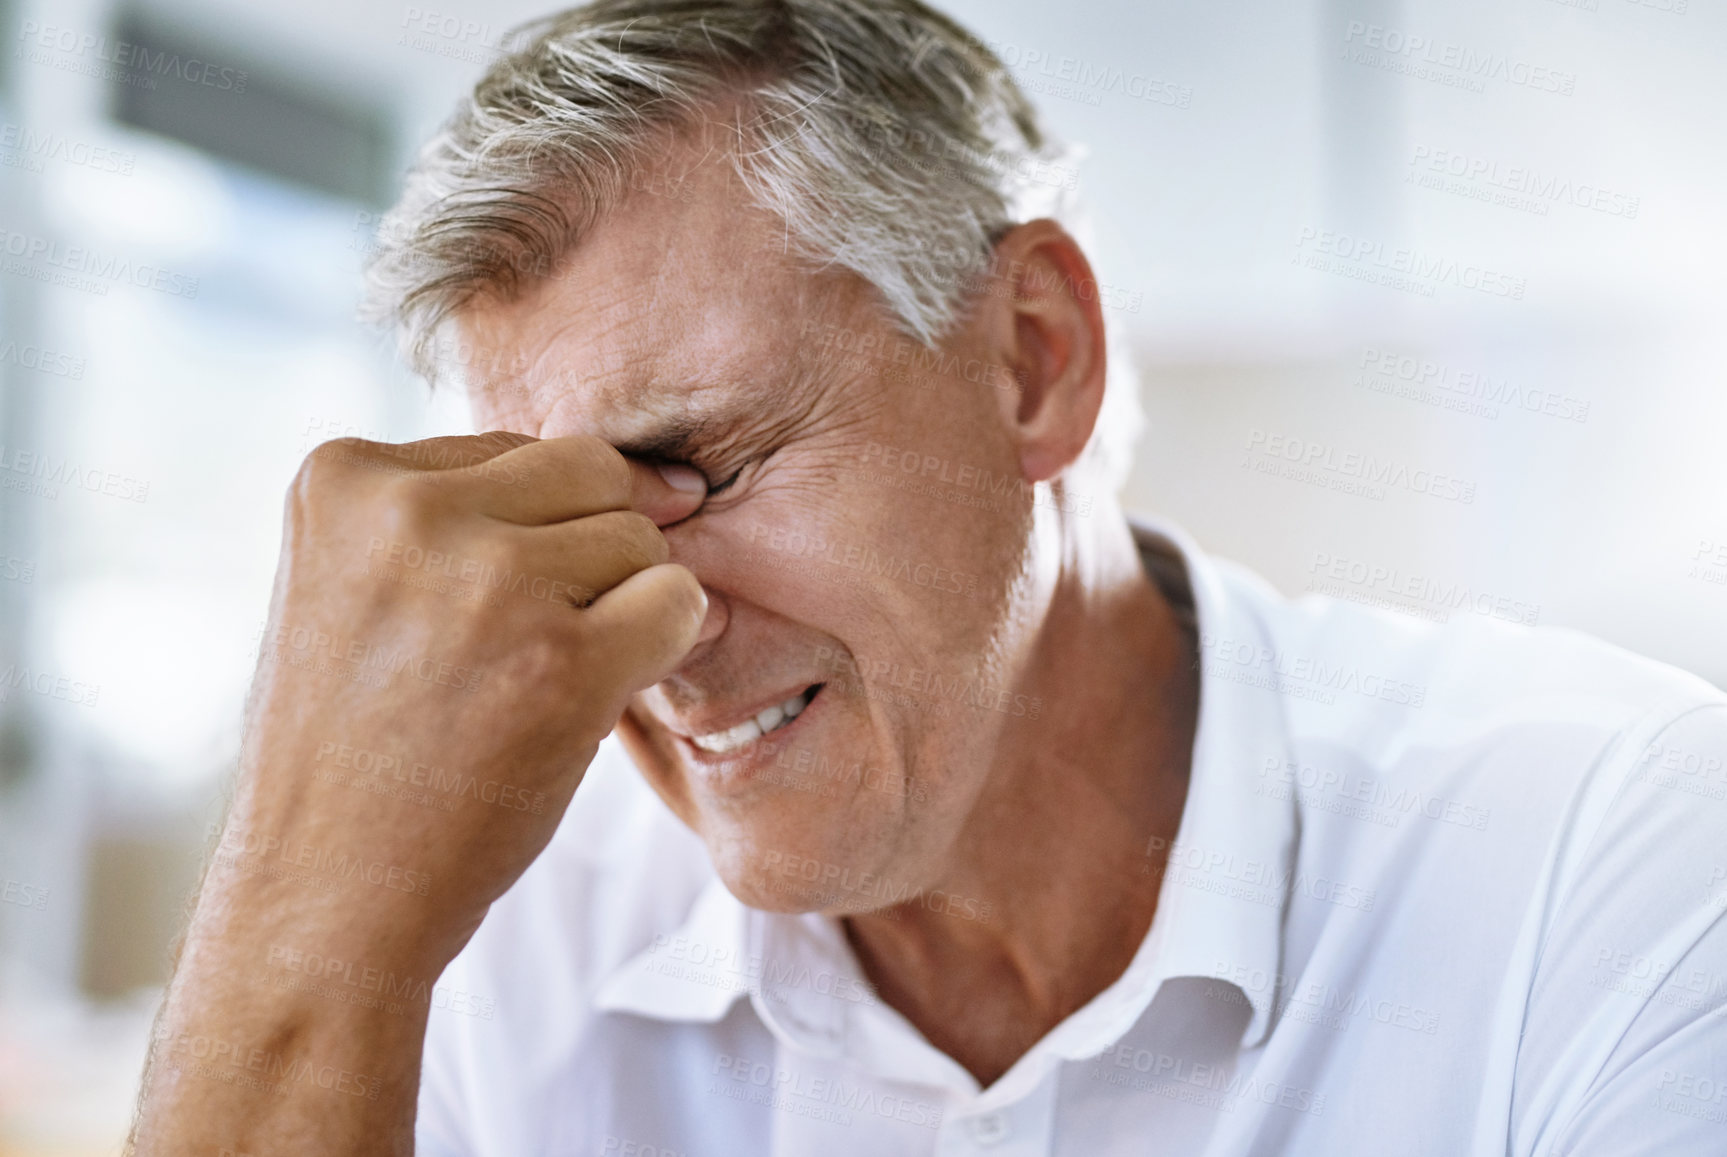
<point>1594,523</point>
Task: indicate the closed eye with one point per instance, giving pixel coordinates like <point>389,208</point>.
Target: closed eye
<point>721,487</point>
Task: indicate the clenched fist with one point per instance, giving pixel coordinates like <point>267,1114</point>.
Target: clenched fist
<point>455,625</point>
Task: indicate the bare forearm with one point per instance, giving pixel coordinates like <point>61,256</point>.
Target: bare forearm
<point>325,859</point>
<point>254,1054</point>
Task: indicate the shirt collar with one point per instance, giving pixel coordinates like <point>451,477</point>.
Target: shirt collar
<point>692,974</point>
<point>1219,911</point>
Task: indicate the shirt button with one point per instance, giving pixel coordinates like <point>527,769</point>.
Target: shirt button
<point>990,1129</point>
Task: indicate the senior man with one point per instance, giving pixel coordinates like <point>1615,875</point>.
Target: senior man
<point>771,738</point>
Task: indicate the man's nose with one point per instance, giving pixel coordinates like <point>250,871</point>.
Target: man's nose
<point>689,547</point>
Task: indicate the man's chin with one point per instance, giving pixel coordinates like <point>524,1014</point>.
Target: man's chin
<point>798,882</point>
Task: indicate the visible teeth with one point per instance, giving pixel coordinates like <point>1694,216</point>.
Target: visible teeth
<point>766,720</point>
<point>730,739</point>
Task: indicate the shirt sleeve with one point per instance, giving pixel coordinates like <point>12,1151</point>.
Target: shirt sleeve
<point>1624,1046</point>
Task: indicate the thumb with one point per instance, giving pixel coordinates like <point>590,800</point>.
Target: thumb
<point>666,492</point>
<point>649,622</point>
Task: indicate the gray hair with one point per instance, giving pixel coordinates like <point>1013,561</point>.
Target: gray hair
<point>891,142</point>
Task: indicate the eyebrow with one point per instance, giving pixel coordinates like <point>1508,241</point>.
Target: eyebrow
<point>676,438</point>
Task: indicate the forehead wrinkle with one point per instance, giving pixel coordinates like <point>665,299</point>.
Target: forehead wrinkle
<point>719,415</point>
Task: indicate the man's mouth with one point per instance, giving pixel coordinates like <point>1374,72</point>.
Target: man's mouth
<point>764,722</point>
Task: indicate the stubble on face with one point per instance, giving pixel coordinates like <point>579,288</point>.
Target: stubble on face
<point>681,328</point>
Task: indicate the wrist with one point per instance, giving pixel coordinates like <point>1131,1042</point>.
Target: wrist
<point>280,937</point>
<point>248,1013</point>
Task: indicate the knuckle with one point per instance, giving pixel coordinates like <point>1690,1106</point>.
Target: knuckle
<point>541,658</point>
<point>635,539</point>
<point>325,459</point>
<point>684,592</point>
<point>407,504</point>
<point>600,461</point>
<point>354,445</point>
<point>325,468</point>
<point>491,442</point>
<point>330,462</point>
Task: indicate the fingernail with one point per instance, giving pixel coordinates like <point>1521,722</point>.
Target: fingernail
<point>686,479</point>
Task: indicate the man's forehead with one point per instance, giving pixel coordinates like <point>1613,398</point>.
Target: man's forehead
<point>661,322</point>
<point>673,380</point>
<point>630,365</point>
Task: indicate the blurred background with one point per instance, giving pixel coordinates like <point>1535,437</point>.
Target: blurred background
<point>1479,241</point>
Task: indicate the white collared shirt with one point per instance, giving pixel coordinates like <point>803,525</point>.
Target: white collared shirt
<point>1436,890</point>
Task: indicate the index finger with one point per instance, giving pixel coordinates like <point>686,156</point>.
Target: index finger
<point>558,479</point>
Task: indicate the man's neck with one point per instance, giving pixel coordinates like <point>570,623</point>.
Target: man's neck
<point>1056,844</point>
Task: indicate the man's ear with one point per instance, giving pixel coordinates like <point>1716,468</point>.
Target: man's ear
<point>1046,324</point>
